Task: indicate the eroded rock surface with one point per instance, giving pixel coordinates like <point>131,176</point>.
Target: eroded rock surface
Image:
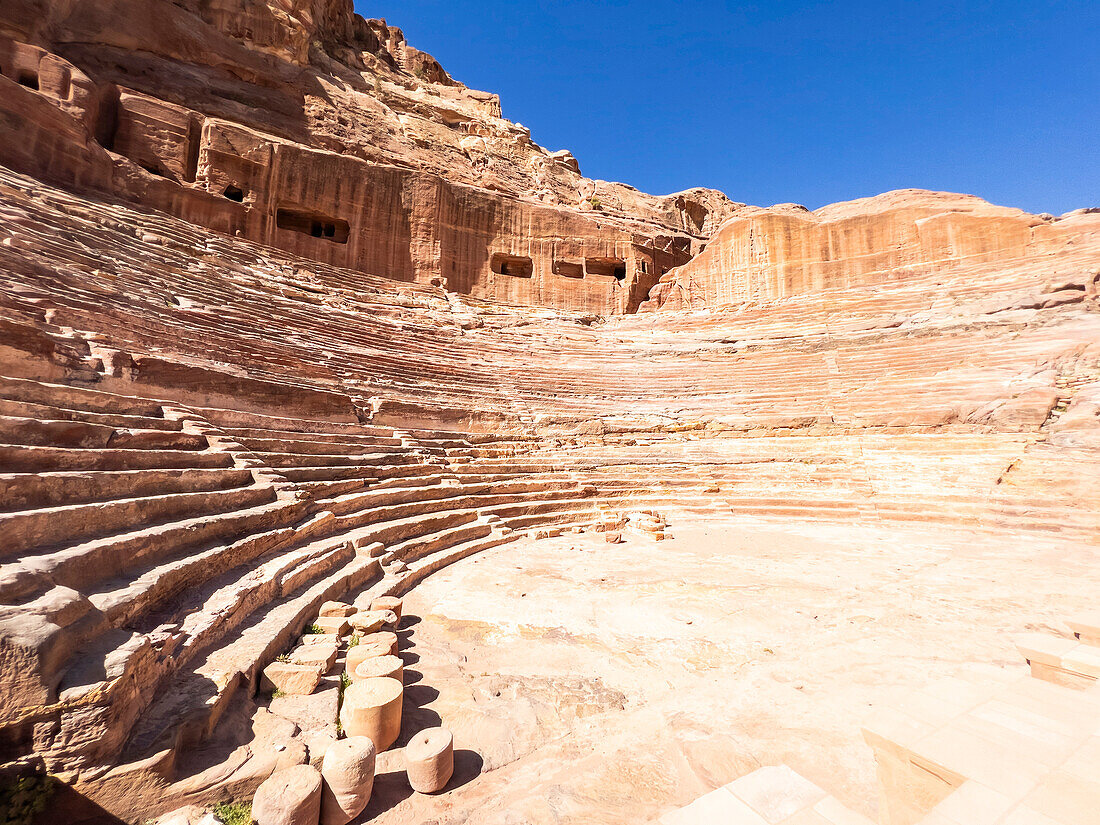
<point>303,126</point>
<point>265,366</point>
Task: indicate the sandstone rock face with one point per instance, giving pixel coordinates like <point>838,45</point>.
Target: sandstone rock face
<point>762,254</point>
<point>303,126</point>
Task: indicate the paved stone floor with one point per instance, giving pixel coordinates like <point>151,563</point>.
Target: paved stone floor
<point>588,682</point>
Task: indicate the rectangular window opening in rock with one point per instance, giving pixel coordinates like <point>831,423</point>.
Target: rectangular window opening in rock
<point>29,79</point>
<point>569,269</point>
<point>517,266</point>
<point>311,223</point>
<point>608,267</point>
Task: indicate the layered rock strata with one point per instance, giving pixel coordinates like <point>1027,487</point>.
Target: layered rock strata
<point>249,367</point>
<point>308,128</point>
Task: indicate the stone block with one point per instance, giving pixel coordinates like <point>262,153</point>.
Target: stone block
<point>291,678</point>
<point>371,621</point>
<point>322,655</point>
<point>372,550</point>
<point>334,625</point>
<point>336,609</point>
<point>291,796</point>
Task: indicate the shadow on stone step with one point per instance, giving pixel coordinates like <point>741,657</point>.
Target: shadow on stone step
<point>71,807</point>
<point>415,716</point>
<point>392,788</point>
<point>468,765</point>
<point>411,677</point>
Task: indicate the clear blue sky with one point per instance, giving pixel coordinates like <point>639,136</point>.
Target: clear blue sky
<point>810,102</point>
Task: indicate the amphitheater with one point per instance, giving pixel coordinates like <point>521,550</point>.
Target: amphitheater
<point>698,512</point>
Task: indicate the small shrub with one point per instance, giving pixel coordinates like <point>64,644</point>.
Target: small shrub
<point>283,657</point>
<point>275,694</point>
<point>354,641</point>
<point>234,813</point>
<point>595,203</point>
<point>313,628</point>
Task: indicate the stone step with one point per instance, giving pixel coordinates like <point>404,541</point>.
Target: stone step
<point>569,513</point>
<point>205,613</point>
<point>1062,661</point>
<point>1024,745</point>
<point>44,412</point>
<point>463,503</point>
<point>24,459</point>
<point>53,433</point>
<point>413,549</point>
<point>75,398</point>
<point>36,530</point>
<point>83,565</point>
<point>24,491</point>
<point>362,459</point>
<point>305,447</point>
<point>767,796</point>
<point>348,439</point>
<point>1086,627</point>
<point>188,708</point>
<point>425,565</point>
<point>318,490</point>
<point>132,599</point>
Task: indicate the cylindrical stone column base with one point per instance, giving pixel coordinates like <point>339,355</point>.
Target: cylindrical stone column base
<point>429,760</point>
<point>372,708</point>
<point>289,797</point>
<point>379,667</point>
<point>348,773</point>
<point>386,637</point>
<point>387,603</point>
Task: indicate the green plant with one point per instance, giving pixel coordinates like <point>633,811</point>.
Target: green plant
<point>234,813</point>
<point>354,641</point>
<point>595,203</point>
<point>314,628</point>
<point>275,694</point>
<point>283,657</point>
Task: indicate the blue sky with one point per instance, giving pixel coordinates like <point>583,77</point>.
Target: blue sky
<point>810,102</point>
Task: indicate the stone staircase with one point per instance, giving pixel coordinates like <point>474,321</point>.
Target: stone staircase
<point>161,554</point>
<point>960,751</point>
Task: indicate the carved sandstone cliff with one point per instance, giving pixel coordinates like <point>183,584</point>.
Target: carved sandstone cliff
<point>303,126</point>
<point>786,250</point>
